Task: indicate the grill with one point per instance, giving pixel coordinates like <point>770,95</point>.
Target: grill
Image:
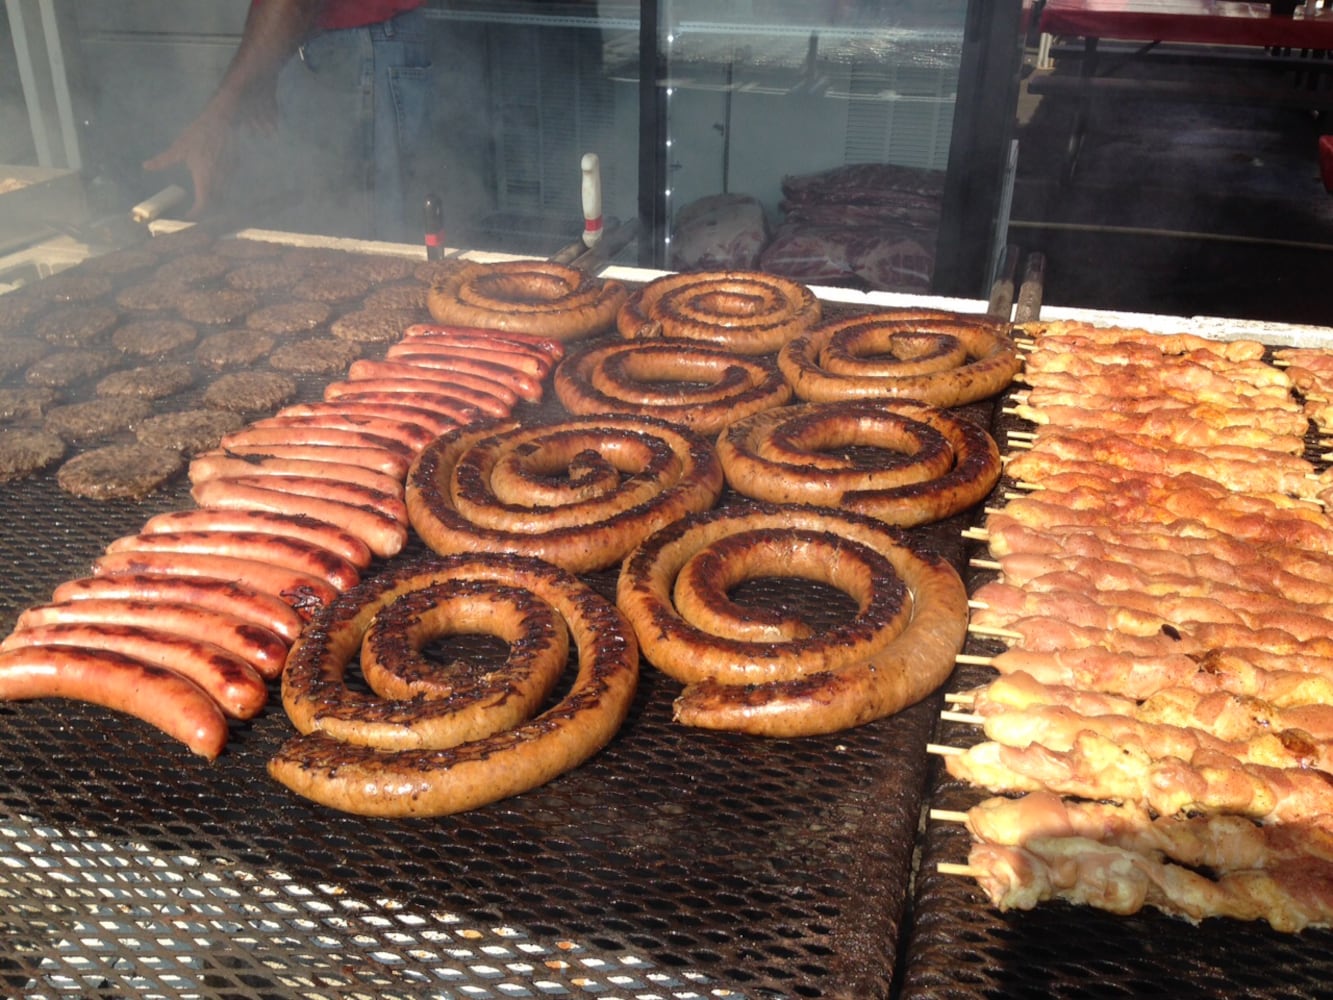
<point>674,864</point>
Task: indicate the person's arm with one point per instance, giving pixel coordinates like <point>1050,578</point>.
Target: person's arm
<point>273,31</point>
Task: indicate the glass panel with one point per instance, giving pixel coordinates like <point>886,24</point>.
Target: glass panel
<point>534,87</point>
<point>809,139</point>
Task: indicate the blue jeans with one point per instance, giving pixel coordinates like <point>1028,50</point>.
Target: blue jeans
<point>352,107</point>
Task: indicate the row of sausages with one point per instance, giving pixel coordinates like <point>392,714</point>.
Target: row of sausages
<point>931,356</point>
<point>183,623</point>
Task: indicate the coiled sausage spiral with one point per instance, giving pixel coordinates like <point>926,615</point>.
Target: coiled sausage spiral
<point>754,679</point>
<point>943,463</point>
<point>526,296</point>
<point>579,494</point>
<point>427,781</point>
<point>748,312</point>
<point>683,381</point>
<point>897,355</point>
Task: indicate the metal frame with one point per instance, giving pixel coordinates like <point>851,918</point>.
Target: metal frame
<point>974,225</point>
<point>35,27</point>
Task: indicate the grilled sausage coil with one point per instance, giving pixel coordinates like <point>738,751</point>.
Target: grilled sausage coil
<point>533,297</point>
<point>579,494</point>
<point>683,381</point>
<point>927,464</point>
<point>748,312</point>
<point>415,703</point>
<point>895,355</point>
<point>439,781</point>
<point>850,675</point>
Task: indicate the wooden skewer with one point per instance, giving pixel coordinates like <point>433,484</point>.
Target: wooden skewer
<point>984,564</point>
<point>1019,433</point>
<point>948,815</point>
<point>976,535</point>
<point>971,718</point>
<point>944,751</point>
<point>994,633</point>
<point>960,698</point>
<point>972,660</point>
<point>1018,442</point>
<point>952,868</point>
<point>978,605</point>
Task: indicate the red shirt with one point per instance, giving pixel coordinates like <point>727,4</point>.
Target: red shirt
<point>359,13</point>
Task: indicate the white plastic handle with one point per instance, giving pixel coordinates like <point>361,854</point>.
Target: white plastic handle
<point>592,199</point>
<point>168,197</point>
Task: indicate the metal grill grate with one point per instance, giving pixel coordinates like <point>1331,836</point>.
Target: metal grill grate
<point>673,864</point>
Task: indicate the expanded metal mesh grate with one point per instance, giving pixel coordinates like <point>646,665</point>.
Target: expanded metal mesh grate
<point>673,864</point>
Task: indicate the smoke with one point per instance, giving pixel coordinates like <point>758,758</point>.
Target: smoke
<point>16,144</point>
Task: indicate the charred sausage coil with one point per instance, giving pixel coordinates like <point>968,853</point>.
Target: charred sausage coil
<point>580,493</point>
<point>743,311</point>
<point>899,355</point>
<point>683,381</point>
<point>773,677</point>
<point>473,769</point>
<point>927,464</point>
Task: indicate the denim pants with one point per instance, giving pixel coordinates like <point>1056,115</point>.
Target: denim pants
<point>352,109</point>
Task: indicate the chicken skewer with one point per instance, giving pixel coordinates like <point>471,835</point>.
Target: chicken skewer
<point>1096,767</point>
<point>1223,715</point>
<point>1291,896</point>
<point>1220,843</point>
<point>1094,669</point>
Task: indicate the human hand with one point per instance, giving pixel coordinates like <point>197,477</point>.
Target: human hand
<point>206,149</point>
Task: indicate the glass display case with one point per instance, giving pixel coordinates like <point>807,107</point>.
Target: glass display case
<point>844,141</point>
<point>816,140</point>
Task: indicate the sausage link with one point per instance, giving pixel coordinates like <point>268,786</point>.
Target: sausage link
<point>322,533</point>
<point>382,534</point>
<point>289,553</point>
<point>212,593</point>
<point>506,385</point>
<point>430,421</point>
<point>391,463</point>
<point>222,465</point>
<point>162,698</point>
<point>302,591</point>
<point>410,433</point>
<point>229,680</point>
<point>532,362</point>
<point>459,395</point>
<point>262,649</point>
<point>554,349</point>
<point>260,436</point>
<point>444,405</point>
